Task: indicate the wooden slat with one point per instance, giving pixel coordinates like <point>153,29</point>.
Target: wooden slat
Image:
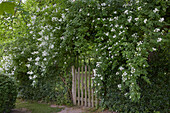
<point>86,85</point>
<point>79,86</point>
<point>82,86</point>
<point>73,86</point>
<point>75,81</point>
<point>92,92</point>
<point>83,99</point>
<point>87,99</point>
<point>89,87</point>
<point>96,101</point>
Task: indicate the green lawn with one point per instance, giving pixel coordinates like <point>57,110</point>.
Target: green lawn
<point>35,107</point>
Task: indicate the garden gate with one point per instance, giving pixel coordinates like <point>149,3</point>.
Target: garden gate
<point>82,87</point>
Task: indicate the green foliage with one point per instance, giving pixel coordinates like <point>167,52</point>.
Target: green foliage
<point>42,83</point>
<point>45,90</point>
<point>7,7</point>
<point>8,94</point>
<point>153,97</point>
<point>122,35</point>
<point>125,40</point>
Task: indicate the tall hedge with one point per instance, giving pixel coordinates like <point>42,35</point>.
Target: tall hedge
<point>127,39</point>
<point>8,94</point>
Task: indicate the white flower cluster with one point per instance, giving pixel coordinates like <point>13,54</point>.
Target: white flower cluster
<point>119,86</point>
<point>98,64</point>
<point>30,72</point>
<point>124,76</point>
<point>136,19</point>
<point>139,8</point>
<point>103,4</point>
<point>121,68</point>
<point>161,20</point>
<point>6,63</point>
<point>44,38</point>
<point>132,70</point>
<point>33,18</point>
<point>145,21</point>
<point>126,12</point>
<point>159,40</point>
<point>156,30</point>
<point>155,10</point>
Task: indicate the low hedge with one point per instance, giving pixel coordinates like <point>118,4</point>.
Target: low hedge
<point>8,94</point>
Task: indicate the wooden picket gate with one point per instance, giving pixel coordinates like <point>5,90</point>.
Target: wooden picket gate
<point>82,87</point>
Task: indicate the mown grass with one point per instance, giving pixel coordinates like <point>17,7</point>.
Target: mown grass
<point>36,107</point>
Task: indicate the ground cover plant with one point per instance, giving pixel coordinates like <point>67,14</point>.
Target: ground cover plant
<point>36,107</point>
<point>126,41</point>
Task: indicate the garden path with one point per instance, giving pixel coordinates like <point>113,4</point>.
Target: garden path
<point>65,110</point>
<point>23,110</point>
<point>77,109</point>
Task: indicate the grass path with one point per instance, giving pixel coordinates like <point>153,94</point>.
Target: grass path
<point>35,107</point>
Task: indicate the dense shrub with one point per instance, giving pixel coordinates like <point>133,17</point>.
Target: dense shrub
<point>45,90</point>
<point>38,80</point>
<point>8,94</point>
<point>127,39</point>
<point>154,96</point>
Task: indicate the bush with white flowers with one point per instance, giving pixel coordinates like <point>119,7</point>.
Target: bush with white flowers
<point>35,52</point>
<point>123,39</point>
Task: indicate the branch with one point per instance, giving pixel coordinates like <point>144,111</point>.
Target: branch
<point>66,85</point>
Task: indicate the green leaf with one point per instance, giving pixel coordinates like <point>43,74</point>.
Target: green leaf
<point>7,7</point>
<point>146,79</point>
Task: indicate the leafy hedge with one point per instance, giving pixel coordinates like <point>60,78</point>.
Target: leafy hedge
<point>154,96</point>
<point>45,84</point>
<point>127,39</point>
<point>8,94</point>
<point>45,90</point>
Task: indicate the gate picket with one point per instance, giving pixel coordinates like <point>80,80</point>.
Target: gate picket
<point>85,88</point>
